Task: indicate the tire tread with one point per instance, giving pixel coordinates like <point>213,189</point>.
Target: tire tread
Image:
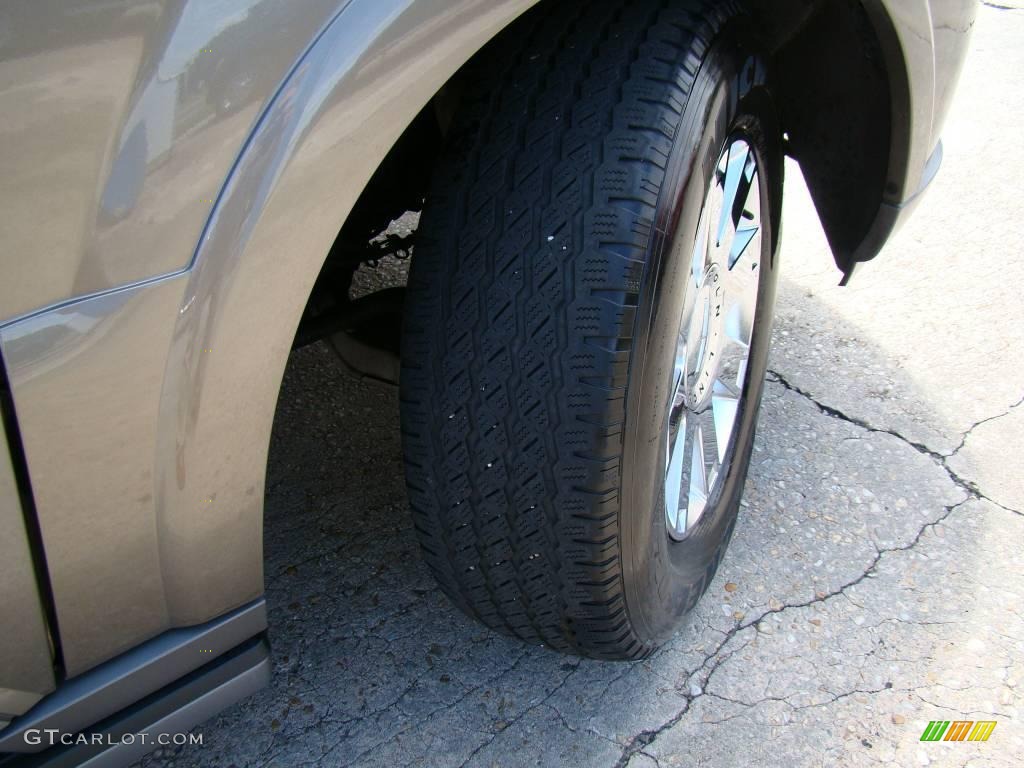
<point>519,318</point>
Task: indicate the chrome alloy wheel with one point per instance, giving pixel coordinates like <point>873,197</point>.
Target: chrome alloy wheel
<point>709,376</point>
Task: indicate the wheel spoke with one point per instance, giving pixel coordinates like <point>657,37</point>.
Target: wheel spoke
<point>744,235</point>
<point>713,444</point>
<point>674,475</point>
<point>698,490</point>
<point>703,465</point>
<point>737,323</point>
<point>738,173</point>
<point>747,218</point>
<point>724,406</point>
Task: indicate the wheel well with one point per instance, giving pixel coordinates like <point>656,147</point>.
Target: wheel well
<point>833,93</point>
<point>364,330</point>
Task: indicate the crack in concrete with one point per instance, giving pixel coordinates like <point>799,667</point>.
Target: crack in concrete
<point>960,712</point>
<point>427,716</point>
<point>888,687</point>
<point>643,739</point>
<point>716,659</point>
<point>941,459</point>
<point>813,705</point>
<point>975,425</point>
<point>542,703</point>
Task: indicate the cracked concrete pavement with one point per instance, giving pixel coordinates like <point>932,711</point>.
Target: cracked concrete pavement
<point>874,582</point>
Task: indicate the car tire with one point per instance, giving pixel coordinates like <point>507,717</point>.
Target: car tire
<point>554,272</point>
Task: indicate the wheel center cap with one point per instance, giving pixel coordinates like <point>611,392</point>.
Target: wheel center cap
<point>706,331</point>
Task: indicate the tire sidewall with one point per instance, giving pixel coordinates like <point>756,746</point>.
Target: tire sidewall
<point>664,578</point>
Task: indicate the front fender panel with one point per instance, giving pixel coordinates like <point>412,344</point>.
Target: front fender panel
<point>121,120</point>
<point>332,123</point>
<point>146,412</point>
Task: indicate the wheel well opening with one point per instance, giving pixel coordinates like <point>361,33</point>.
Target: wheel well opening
<point>836,102</point>
<point>356,301</point>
